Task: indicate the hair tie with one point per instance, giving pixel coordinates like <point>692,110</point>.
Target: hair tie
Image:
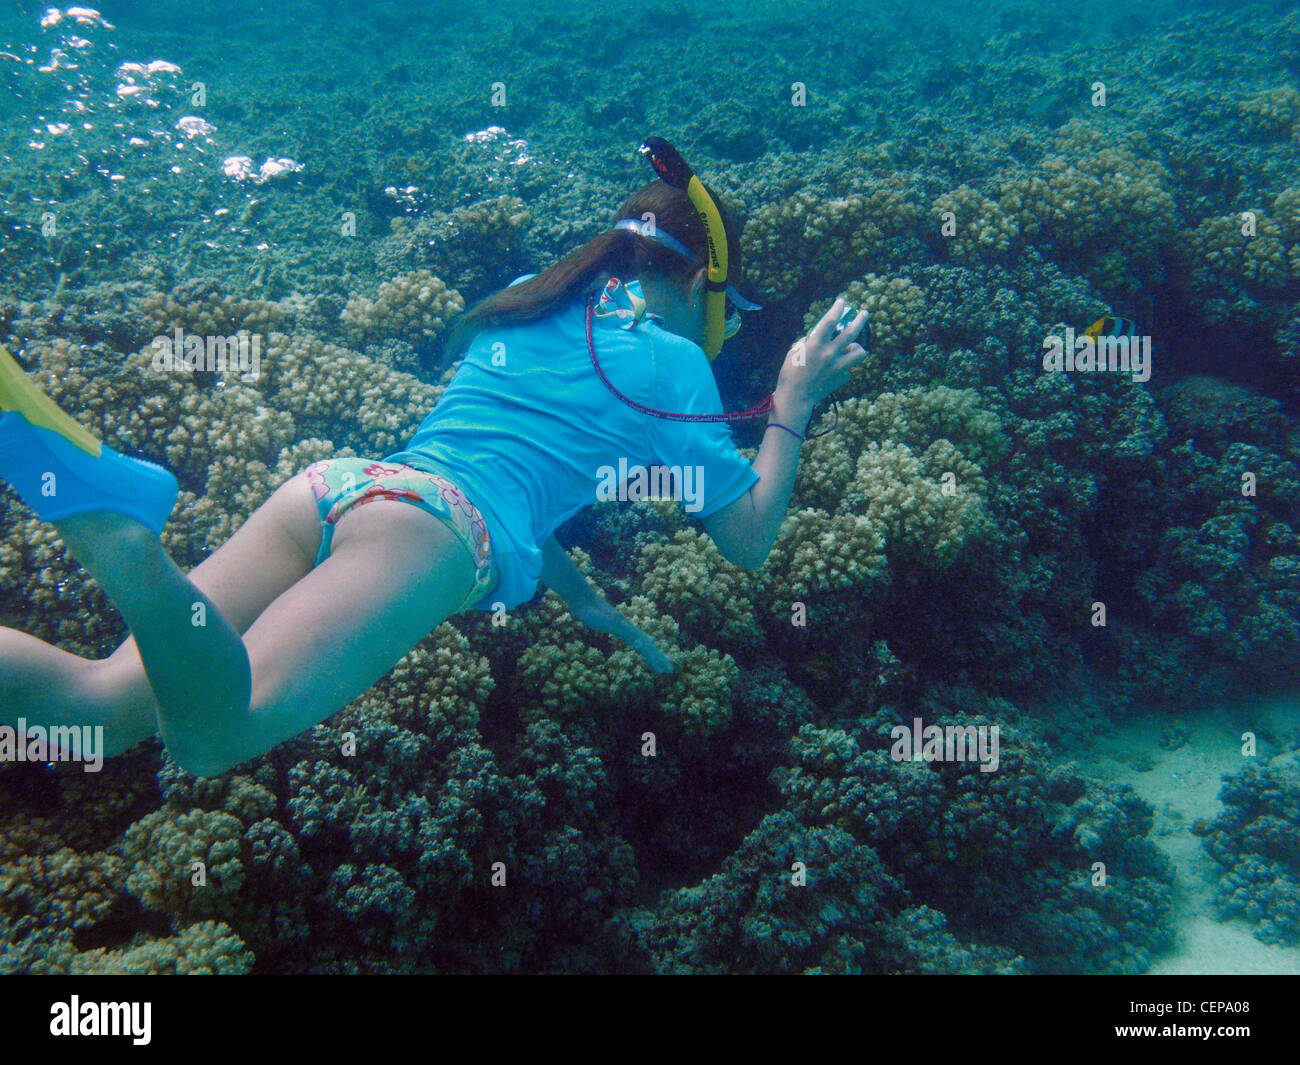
<point>777,425</point>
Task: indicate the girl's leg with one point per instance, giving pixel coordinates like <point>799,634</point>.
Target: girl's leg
<point>394,573</point>
<point>44,685</point>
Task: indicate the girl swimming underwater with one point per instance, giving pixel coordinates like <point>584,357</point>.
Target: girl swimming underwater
<point>352,562</point>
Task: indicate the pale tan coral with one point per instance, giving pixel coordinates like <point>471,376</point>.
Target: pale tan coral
<point>773,239</point>
<point>574,677</point>
<point>808,234</point>
<point>1107,203</point>
<point>38,574</point>
<point>919,416</point>
<point>311,379</point>
<point>414,307</point>
<point>981,228</point>
<point>199,308</point>
<point>700,692</point>
<point>668,512</point>
<point>439,688</point>
<point>1231,254</point>
<point>133,407</point>
<point>391,410</point>
<point>231,426</point>
<point>165,413</point>
<point>241,795</point>
<point>690,577</point>
<point>699,695</point>
<point>943,460</point>
<point>206,948</point>
<point>1017,197</point>
<point>825,469</point>
<point>467,244</point>
<point>564,675</point>
<point>298,456</point>
<point>328,388</point>
<point>162,848</point>
<point>1272,112</point>
<point>64,888</point>
<point>1286,212</point>
<point>906,478</point>
<point>921,517</point>
<point>815,552</point>
<point>231,494</point>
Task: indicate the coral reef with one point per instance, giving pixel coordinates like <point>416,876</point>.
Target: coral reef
<point>522,795</point>
<point>981,228</point>
<point>1256,841</point>
<point>813,234</point>
<point>477,245</point>
<point>414,306</point>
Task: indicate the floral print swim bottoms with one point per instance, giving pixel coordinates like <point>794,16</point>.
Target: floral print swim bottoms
<point>342,484</point>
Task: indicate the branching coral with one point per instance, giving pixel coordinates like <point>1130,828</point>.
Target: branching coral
<point>185,864</point>
<point>206,948</point>
<point>567,676</point>
<point>811,234</point>
<point>1106,206</point>
<point>37,579</point>
<point>199,307</point>
<point>66,887</point>
<point>816,553</point>
<point>703,591</point>
<point>471,245</point>
<point>973,227</point>
<point>492,803</point>
<point>1256,840</point>
<point>414,306</point>
<point>1235,263</point>
<point>950,831</point>
<point>920,518</point>
<point>791,899</point>
<point>1228,574</point>
<point>1272,113</point>
<point>345,396</point>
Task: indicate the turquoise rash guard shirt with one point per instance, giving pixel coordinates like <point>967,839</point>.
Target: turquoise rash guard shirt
<point>527,430</point>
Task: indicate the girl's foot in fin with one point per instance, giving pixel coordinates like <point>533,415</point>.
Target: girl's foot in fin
<point>59,469</point>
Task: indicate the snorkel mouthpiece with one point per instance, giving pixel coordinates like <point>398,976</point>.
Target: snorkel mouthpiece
<point>673,169</point>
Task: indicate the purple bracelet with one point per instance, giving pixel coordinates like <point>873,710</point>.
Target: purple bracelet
<point>801,437</point>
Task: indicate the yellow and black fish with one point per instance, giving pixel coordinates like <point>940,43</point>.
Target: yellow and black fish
<point>1111,327</point>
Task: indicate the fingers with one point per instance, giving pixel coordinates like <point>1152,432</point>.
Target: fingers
<point>850,332</point>
<point>822,332</point>
<point>855,326</point>
<point>853,354</point>
<point>819,332</point>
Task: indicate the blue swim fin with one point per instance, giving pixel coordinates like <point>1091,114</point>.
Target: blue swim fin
<point>59,469</point>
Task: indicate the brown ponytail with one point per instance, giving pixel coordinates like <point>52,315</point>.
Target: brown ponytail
<point>619,252</point>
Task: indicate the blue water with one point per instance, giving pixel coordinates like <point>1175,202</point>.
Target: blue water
<point>1085,560</point>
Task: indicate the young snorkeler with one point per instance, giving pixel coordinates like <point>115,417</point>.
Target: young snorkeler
<point>320,593</point>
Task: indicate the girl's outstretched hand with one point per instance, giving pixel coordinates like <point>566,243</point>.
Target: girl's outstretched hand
<point>645,646</point>
<point>819,363</point>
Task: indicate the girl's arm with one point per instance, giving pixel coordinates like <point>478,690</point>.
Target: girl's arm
<point>814,368</point>
<point>587,605</point>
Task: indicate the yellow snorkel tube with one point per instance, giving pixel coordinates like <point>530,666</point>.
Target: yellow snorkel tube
<point>672,168</point>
